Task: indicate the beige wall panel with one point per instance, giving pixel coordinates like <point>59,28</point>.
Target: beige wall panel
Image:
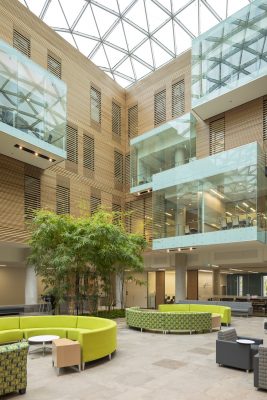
<point>12,285</point>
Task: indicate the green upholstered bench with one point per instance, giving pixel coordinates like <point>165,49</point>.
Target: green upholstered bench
<point>97,336</point>
<point>13,368</point>
<point>225,312</point>
<point>169,321</point>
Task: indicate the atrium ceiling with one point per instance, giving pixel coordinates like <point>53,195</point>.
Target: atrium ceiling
<point>128,39</point>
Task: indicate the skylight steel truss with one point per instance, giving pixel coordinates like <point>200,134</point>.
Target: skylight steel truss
<point>128,39</point>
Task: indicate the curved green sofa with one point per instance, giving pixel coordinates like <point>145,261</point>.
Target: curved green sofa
<point>225,312</point>
<point>168,321</point>
<point>97,336</point>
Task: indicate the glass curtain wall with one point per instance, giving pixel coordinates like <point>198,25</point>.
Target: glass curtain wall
<point>31,99</point>
<point>225,201</point>
<point>162,148</point>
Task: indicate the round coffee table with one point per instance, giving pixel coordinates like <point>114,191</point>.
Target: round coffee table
<point>44,339</point>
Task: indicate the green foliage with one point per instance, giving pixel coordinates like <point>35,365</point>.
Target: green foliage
<point>110,314</point>
<point>73,255</point>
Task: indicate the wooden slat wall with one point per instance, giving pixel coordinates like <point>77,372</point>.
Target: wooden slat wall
<point>79,74</point>
<point>217,135</point>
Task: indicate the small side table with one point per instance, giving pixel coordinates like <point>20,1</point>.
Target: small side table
<point>66,353</point>
<point>215,321</point>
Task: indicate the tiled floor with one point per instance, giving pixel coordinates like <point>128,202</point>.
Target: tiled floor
<point>149,366</point>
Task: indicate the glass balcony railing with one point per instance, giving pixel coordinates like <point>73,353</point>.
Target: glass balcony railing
<point>32,100</point>
<point>227,57</point>
<point>162,148</point>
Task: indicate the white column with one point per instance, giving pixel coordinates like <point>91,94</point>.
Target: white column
<point>118,291</point>
<point>31,293</point>
<point>180,276</point>
<point>179,156</point>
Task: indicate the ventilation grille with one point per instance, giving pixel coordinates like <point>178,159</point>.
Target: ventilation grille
<point>217,136</point>
<point>63,200</point>
<point>95,105</point>
<point>89,152</point>
<point>116,119</point>
<point>132,122</point>
<point>264,119</point>
<point>32,196</point>
<point>21,43</point>
<point>54,66</point>
<point>72,144</point>
<point>178,99</point>
<point>95,203</point>
<point>160,107</point>
<point>118,166</point>
<point>127,170</point>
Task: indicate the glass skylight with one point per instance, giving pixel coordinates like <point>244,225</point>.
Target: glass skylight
<point>128,39</point>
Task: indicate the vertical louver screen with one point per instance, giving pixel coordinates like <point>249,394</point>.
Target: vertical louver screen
<point>54,66</point>
<point>178,99</point>
<point>89,152</point>
<point>139,217</point>
<point>217,136</point>
<point>32,196</point>
<point>21,43</point>
<point>160,107</point>
<point>132,122</point>
<point>118,166</point>
<point>63,200</point>
<point>72,144</point>
<point>116,119</point>
<point>95,203</point>
<point>95,105</point>
<point>265,119</point>
<point>127,169</point>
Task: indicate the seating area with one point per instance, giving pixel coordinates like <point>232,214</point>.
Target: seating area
<point>97,336</point>
<point>237,307</point>
<point>224,312</point>
<point>172,320</point>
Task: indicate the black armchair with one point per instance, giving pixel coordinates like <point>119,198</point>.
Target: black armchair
<point>233,354</point>
<point>260,368</point>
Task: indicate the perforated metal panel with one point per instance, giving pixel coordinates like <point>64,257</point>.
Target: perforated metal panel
<point>72,144</point>
<point>88,152</point>
<point>63,200</point>
<point>54,66</point>
<point>21,43</point>
<point>160,107</point>
<point>178,99</point>
<point>95,96</point>
<point>118,166</point>
<point>217,136</point>
<point>116,119</point>
<point>32,196</point>
<point>133,121</point>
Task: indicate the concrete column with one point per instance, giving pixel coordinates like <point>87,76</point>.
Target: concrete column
<point>180,276</point>
<point>216,282</point>
<point>31,292</point>
<point>118,291</point>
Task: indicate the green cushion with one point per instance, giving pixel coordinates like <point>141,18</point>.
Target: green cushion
<point>61,332</point>
<point>13,335</point>
<point>173,307</point>
<point>58,321</point>
<point>7,323</point>
<point>73,333</point>
<point>93,323</point>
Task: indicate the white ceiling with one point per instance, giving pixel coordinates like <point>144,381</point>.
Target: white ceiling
<point>128,39</point>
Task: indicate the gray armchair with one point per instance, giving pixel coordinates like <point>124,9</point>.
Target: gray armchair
<point>233,354</point>
<point>260,368</point>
